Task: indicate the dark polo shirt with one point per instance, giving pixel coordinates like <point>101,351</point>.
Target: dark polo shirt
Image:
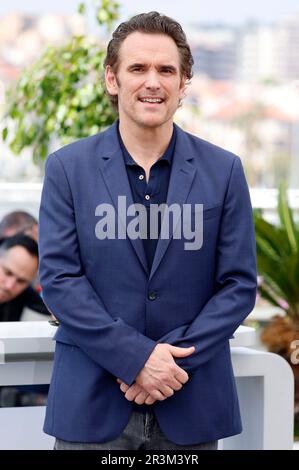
<point>152,192</point>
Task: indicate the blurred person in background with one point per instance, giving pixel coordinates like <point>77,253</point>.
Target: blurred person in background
<point>19,222</point>
<point>18,268</point>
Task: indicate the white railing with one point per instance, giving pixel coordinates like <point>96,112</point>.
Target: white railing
<point>264,381</point>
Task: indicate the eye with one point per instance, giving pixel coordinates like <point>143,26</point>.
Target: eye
<point>7,272</point>
<point>167,70</point>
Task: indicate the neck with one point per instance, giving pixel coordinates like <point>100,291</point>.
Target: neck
<point>146,145</point>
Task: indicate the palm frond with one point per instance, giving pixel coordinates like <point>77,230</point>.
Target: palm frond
<point>278,256</point>
<point>286,218</point>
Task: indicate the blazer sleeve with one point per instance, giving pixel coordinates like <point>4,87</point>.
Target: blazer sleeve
<point>113,344</point>
<point>235,279</point>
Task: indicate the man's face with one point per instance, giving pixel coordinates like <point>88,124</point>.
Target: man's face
<point>149,70</point>
<point>17,269</point>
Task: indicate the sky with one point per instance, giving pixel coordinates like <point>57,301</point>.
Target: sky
<point>227,11</point>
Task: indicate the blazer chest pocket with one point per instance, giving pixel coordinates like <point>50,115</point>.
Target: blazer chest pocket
<point>210,212</point>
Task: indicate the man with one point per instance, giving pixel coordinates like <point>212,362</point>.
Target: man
<point>19,222</point>
<point>18,268</point>
<point>142,355</point>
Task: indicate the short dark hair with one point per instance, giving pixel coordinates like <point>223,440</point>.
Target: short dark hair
<point>28,243</point>
<point>18,220</point>
<point>152,23</point>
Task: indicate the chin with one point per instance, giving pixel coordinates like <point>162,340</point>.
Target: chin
<point>151,125</point>
<point>151,122</point>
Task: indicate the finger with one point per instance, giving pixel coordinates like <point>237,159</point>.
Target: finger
<point>175,384</point>
<point>132,392</point>
<point>141,397</point>
<point>124,387</point>
<point>158,395</point>
<point>181,375</point>
<point>181,352</point>
<point>150,400</point>
<point>166,391</point>
<point>176,381</point>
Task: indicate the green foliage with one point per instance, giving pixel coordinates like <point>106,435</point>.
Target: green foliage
<point>278,257</point>
<point>81,8</point>
<point>61,96</point>
<point>107,13</point>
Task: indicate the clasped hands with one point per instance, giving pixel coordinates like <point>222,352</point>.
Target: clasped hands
<point>160,376</point>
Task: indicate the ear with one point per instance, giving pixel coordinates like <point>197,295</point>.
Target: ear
<point>183,87</point>
<point>110,80</point>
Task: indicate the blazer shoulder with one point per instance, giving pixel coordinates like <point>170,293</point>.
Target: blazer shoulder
<point>206,150</point>
<point>80,149</point>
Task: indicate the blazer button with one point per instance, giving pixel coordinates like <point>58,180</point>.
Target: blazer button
<point>152,296</point>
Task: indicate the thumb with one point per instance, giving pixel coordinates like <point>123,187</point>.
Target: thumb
<point>181,352</point>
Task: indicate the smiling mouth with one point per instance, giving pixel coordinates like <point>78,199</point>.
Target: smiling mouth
<point>151,100</point>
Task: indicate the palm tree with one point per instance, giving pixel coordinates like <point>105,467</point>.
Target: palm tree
<point>278,267</point>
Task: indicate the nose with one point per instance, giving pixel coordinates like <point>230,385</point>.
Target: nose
<point>10,283</point>
<point>152,81</point>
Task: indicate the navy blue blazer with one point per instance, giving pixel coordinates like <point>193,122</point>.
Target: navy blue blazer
<point>99,291</point>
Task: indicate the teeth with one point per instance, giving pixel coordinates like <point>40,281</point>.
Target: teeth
<point>151,100</point>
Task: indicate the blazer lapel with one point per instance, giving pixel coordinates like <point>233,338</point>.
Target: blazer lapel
<point>115,176</point>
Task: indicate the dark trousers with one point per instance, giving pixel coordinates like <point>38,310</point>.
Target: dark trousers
<point>141,433</point>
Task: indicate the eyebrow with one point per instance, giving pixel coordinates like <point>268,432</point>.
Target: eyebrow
<point>19,279</point>
<point>164,66</point>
